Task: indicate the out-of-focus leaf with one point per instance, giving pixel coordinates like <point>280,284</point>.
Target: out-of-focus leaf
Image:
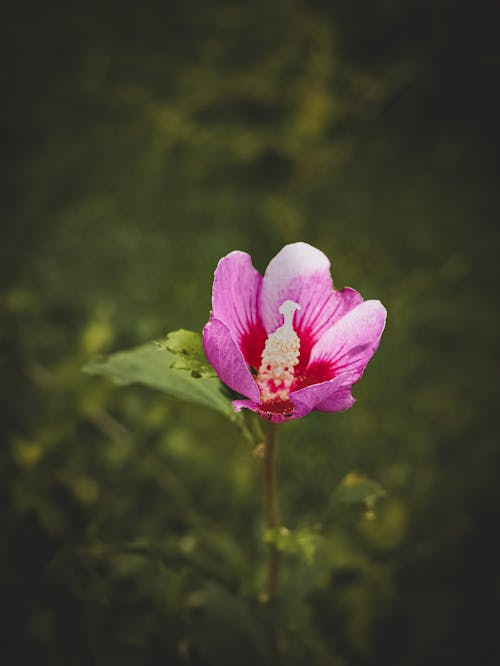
<point>189,354</point>
<point>358,489</point>
<point>297,542</point>
<point>153,367</point>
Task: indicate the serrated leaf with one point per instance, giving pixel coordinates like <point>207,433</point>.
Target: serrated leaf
<point>153,367</point>
<point>189,354</point>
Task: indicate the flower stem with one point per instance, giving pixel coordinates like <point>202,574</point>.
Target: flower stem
<point>271,508</point>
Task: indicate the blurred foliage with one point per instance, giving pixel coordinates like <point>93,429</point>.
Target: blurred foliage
<point>141,142</point>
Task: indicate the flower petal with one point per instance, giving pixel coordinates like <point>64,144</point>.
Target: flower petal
<point>333,395</point>
<point>301,273</point>
<point>227,359</point>
<point>330,396</point>
<point>236,303</point>
<point>274,417</point>
<point>350,343</point>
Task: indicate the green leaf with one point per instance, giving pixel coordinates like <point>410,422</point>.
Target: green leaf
<point>301,542</point>
<point>356,488</point>
<point>189,354</point>
<point>152,367</point>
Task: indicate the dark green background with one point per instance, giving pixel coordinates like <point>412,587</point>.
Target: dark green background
<point>140,143</point>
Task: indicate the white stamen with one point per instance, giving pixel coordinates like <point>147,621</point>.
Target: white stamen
<point>280,356</point>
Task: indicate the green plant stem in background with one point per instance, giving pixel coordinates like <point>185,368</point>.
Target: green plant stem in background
<point>271,507</point>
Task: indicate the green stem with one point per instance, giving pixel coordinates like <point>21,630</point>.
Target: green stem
<point>271,508</point>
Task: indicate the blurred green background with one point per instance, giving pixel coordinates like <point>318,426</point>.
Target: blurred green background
<point>143,141</point>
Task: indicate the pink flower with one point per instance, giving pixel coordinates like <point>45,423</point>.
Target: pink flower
<point>289,342</point>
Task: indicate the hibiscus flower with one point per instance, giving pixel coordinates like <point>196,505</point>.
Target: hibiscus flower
<point>288,341</point>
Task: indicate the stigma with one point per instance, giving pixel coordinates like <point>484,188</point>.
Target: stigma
<point>279,358</point>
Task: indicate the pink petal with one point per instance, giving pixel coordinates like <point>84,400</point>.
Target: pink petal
<point>227,359</point>
<point>330,396</point>
<point>350,343</point>
<point>301,273</point>
<point>274,417</point>
<point>236,303</point>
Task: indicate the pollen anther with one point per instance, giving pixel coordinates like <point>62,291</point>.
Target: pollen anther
<point>279,358</point>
